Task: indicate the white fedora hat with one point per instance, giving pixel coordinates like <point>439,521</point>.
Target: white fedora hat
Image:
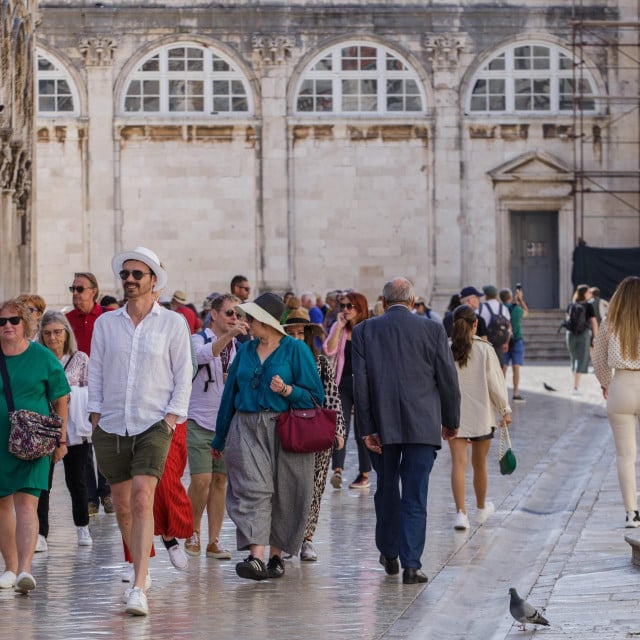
<point>148,257</point>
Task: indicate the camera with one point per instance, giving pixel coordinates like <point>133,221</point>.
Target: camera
<point>518,287</point>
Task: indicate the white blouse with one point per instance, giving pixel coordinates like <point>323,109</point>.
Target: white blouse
<point>607,355</point>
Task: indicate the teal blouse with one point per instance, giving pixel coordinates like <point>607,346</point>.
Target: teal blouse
<point>247,386</point>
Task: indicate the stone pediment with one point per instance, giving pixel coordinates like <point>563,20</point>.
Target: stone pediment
<point>534,166</point>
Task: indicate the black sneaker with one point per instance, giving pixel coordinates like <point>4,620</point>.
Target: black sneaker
<point>275,567</point>
<point>518,398</point>
<point>252,569</point>
<point>633,520</point>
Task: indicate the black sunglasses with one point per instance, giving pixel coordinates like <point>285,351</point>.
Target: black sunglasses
<point>231,312</point>
<point>79,288</point>
<point>346,305</point>
<point>14,320</point>
<point>136,273</point>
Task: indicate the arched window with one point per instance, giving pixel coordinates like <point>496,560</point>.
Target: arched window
<point>55,89</point>
<point>359,78</point>
<point>187,78</point>
<point>531,78</point>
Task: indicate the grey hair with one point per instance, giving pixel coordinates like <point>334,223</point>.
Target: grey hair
<point>308,294</point>
<point>49,317</point>
<point>398,290</point>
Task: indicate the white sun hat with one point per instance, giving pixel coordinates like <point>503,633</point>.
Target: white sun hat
<point>148,257</point>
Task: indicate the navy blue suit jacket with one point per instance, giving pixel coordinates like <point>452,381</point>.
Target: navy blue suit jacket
<point>405,380</point>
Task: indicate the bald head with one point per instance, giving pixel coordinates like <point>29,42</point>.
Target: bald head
<point>398,291</point>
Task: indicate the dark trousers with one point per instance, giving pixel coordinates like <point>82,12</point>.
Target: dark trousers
<point>337,459</point>
<point>401,517</point>
<point>75,463</point>
<point>98,490</point>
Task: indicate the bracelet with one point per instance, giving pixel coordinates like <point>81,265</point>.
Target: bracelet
<point>62,442</point>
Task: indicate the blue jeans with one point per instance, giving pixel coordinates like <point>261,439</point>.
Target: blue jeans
<point>401,518</point>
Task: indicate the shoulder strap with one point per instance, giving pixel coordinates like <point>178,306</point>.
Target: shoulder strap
<point>5,380</point>
<point>69,360</point>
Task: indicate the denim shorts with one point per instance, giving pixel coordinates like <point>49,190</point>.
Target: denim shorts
<point>515,355</point>
<point>199,450</point>
<point>122,457</point>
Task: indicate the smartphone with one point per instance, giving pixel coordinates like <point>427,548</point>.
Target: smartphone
<point>518,287</point>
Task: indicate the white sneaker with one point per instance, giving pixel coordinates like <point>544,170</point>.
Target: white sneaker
<point>137,603</point>
<point>482,515</point>
<point>462,521</point>
<point>129,575</point>
<point>308,553</point>
<point>25,582</point>
<point>7,580</point>
<point>178,557</point>
<point>84,537</point>
<point>633,520</point>
<point>575,392</point>
<point>41,545</point>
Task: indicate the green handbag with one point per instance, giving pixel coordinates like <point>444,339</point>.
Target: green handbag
<point>506,457</point>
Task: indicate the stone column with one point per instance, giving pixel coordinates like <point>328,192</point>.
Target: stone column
<point>274,235</point>
<point>102,223</point>
<point>449,226</point>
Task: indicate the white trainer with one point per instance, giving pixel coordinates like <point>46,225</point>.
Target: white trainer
<point>137,603</point>
<point>178,557</point>
<point>84,537</point>
<point>7,580</point>
<point>129,575</point>
<point>41,545</point>
<point>462,521</point>
<point>25,582</point>
<point>482,515</point>
<point>308,553</point>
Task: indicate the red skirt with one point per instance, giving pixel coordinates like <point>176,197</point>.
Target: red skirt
<point>172,511</point>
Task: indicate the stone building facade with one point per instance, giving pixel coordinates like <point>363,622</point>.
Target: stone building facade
<point>319,144</point>
<point>17,19</point>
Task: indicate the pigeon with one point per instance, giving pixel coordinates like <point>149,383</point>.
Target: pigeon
<point>548,387</point>
<point>523,612</point>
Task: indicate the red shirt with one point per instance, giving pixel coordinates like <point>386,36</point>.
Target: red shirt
<point>192,319</point>
<point>82,325</point>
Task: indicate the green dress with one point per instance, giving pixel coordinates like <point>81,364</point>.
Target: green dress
<point>37,378</point>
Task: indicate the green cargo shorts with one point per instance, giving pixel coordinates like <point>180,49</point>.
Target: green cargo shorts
<point>122,457</point>
<point>199,450</point>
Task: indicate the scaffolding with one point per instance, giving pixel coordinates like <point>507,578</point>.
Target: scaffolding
<point>606,150</point>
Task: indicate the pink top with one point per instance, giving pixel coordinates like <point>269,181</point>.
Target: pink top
<point>337,355</point>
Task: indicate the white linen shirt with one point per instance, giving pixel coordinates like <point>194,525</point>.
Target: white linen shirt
<point>204,405</point>
<point>138,375</point>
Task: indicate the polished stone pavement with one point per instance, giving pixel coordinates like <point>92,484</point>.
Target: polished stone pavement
<point>557,536</point>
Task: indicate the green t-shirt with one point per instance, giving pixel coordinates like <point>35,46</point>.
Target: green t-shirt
<point>516,312</point>
<point>37,378</point>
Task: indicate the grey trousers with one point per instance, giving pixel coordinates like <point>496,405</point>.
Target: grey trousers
<point>269,490</point>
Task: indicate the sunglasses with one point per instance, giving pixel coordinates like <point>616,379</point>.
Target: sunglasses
<point>346,305</point>
<point>257,377</point>
<point>249,319</point>
<point>244,288</point>
<point>14,320</point>
<point>136,273</point>
<point>231,312</point>
<point>79,288</point>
